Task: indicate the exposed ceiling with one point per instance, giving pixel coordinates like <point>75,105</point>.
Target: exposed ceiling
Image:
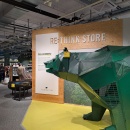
<point>19,17</point>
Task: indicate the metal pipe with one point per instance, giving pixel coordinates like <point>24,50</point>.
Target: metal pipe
<point>28,27</point>
<point>106,14</point>
<point>20,26</point>
<point>88,6</point>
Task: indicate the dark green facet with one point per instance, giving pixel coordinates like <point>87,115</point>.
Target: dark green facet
<point>104,75</point>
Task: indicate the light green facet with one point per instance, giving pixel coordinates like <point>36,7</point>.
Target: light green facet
<point>104,75</point>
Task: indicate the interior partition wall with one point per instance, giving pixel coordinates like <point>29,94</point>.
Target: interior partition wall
<point>83,37</point>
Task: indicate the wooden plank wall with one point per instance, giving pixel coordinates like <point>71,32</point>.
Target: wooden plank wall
<point>113,36</point>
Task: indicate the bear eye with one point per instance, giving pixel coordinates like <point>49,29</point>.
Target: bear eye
<point>53,60</point>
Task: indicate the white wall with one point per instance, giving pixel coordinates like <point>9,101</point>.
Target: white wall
<point>126,32</point>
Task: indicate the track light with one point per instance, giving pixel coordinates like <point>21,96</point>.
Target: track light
<point>48,3</point>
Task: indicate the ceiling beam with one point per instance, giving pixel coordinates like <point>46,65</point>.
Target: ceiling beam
<point>12,25</point>
<point>33,9</point>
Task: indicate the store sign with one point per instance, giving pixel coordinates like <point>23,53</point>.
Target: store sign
<point>79,39</point>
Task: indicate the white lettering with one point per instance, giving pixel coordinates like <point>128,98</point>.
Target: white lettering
<point>103,36</point>
<point>69,41</point>
<point>97,38</point>
<point>61,40</point>
<point>88,37</point>
<point>77,39</point>
<point>72,40</point>
<point>92,37</point>
<point>84,39</point>
<point>65,39</point>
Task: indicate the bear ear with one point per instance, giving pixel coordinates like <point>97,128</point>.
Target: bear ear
<point>65,49</point>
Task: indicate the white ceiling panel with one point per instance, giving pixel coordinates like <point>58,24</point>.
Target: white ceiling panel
<point>15,13</point>
<point>35,18</point>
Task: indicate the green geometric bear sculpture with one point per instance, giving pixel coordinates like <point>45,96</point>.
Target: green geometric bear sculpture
<point>104,75</point>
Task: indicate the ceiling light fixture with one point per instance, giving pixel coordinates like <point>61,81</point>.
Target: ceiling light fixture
<point>48,3</point>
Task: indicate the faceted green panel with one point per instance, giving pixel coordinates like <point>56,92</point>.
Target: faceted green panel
<point>87,62</point>
<point>118,118</point>
<point>94,77</point>
<point>120,54</point>
<point>56,65</point>
<point>92,94</point>
<point>124,92</point>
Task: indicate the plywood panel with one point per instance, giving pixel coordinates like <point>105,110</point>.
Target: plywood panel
<point>94,35</point>
<point>111,29</point>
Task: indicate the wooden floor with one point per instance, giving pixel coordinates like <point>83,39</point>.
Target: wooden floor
<point>53,116</point>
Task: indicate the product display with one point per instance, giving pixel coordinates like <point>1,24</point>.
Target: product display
<point>24,82</point>
<point>16,85</point>
<point>104,75</point>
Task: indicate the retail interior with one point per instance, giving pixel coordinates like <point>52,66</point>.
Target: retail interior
<point>64,64</point>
